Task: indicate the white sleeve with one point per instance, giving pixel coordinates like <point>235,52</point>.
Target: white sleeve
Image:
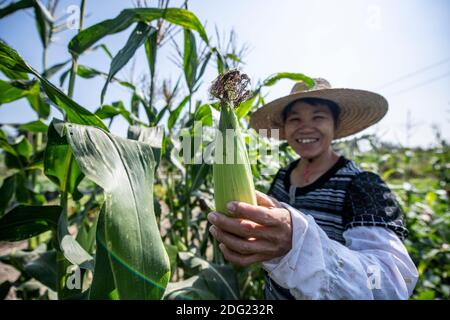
<point>373,264</point>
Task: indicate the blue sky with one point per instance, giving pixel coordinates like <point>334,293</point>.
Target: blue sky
<point>400,49</point>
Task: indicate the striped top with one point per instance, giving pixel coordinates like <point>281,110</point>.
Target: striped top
<point>343,197</point>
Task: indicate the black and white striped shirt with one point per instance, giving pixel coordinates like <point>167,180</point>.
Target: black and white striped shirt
<point>343,197</point>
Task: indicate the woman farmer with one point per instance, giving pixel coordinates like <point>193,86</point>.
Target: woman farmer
<point>328,229</point>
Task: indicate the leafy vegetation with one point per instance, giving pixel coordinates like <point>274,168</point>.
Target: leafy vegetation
<point>93,216</point>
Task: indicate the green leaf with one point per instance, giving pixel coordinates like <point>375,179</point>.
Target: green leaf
<point>23,147</point>
<point>200,172</point>
<point>204,114</point>
<point>210,282</point>
<point>63,77</point>
<point>220,61</point>
<point>243,109</point>
<point>107,111</point>
<point>135,101</point>
<point>86,38</point>
<point>151,46</point>
<point>54,69</point>
<point>161,113</point>
<point>44,269</point>
<point>7,192</point>
<point>172,252</point>
<point>103,286</point>
<point>270,81</point>
<point>88,72</point>
<point>39,103</point>
<point>12,91</point>
<point>190,59</point>
<point>24,222</point>
<point>86,234</point>
<point>11,60</point>
<point>125,170</point>
<point>136,39</point>
<point>59,165</point>
<point>13,75</point>
<point>176,113</point>
<point>70,248</point>
<point>34,126</point>
<point>205,63</point>
<point>5,146</point>
<point>233,57</point>
<point>43,22</point>
<point>153,136</point>
<point>110,111</point>
<point>105,50</point>
<point>15,6</point>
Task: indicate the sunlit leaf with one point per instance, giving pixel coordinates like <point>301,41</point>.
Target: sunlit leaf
<point>190,59</point>
<point>136,39</point>
<point>15,6</point>
<point>125,169</point>
<point>59,165</point>
<point>270,81</point>
<point>103,286</point>
<point>11,60</point>
<point>86,38</point>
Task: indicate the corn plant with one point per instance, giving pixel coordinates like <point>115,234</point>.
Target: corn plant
<point>104,217</point>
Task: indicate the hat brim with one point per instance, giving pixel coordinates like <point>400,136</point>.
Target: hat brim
<point>359,110</point>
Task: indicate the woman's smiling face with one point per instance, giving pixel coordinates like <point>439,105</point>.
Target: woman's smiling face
<point>309,129</point>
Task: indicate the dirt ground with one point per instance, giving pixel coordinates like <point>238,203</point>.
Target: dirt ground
<point>7,272</point>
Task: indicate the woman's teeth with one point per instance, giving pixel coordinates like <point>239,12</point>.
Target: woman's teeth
<point>306,141</point>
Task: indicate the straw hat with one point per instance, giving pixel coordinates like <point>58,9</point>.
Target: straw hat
<point>359,108</point>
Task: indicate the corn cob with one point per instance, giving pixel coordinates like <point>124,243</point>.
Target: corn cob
<point>233,180</point>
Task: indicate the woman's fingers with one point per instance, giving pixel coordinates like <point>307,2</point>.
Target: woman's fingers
<point>239,227</point>
<point>237,244</point>
<point>258,214</point>
<point>239,259</point>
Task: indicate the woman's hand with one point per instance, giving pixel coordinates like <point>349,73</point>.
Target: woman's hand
<point>255,233</point>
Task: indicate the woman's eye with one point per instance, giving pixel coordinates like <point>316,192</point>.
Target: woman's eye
<point>319,117</point>
<point>293,119</point>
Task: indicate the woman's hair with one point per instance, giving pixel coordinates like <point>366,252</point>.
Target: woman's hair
<point>332,106</point>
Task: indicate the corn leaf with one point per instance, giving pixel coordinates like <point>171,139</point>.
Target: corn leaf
<point>210,281</point>
<point>7,192</point>
<point>86,38</point>
<point>190,59</point>
<point>153,136</point>
<point>270,81</point>
<point>245,107</point>
<point>103,286</point>
<point>55,69</point>
<point>125,170</point>
<point>11,91</point>
<point>59,165</point>
<point>34,126</point>
<point>70,248</point>
<point>176,113</point>
<point>136,39</point>
<point>44,269</point>
<point>10,59</point>
<point>151,45</point>
<point>44,22</point>
<point>24,222</point>
<point>15,6</point>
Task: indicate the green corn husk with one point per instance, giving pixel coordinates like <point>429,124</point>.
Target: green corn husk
<point>233,180</point>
